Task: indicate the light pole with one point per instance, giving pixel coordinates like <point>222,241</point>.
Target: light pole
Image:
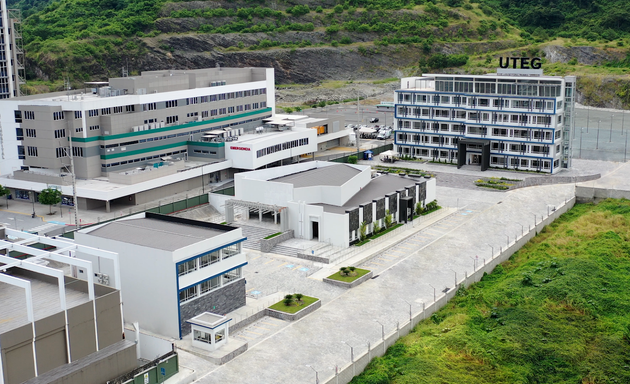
<point>434,296</point>
<point>623,118</point>
<point>33,200</point>
<point>597,144</point>
<point>588,115</point>
<point>611,122</point>
<point>351,351</point>
<point>625,150</point>
<point>316,374</point>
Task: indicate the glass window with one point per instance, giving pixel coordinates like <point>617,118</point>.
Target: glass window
<point>209,285</point>
<point>202,336</point>
<point>234,274</point>
<point>209,258</point>
<point>188,294</point>
<point>187,267</point>
<point>231,250</point>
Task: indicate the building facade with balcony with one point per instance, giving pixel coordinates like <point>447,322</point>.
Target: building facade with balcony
<point>516,119</point>
<point>172,269</point>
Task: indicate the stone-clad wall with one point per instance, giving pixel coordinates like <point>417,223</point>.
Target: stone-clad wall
<point>221,301</point>
<point>267,244</point>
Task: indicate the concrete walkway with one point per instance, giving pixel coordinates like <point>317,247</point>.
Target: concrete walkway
<point>356,315</point>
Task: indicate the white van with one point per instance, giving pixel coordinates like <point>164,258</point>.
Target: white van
<point>384,134</point>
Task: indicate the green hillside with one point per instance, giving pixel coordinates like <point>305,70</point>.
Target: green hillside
<point>557,312</point>
<point>84,39</point>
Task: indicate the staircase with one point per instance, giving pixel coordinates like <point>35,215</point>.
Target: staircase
<point>254,234</point>
<point>284,250</point>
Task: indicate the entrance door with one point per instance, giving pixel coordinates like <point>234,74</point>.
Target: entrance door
<point>315,230</point>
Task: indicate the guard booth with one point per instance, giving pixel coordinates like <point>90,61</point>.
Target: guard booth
<point>367,155</point>
<point>473,152</point>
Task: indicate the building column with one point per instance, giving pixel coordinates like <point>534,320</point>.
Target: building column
<point>107,206</point>
<point>260,215</point>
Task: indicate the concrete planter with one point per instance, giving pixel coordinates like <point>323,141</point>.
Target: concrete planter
<point>293,316</point>
<point>267,244</point>
<point>353,284</point>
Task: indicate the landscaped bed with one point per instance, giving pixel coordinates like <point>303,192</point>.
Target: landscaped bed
<point>358,272</point>
<point>501,184</point>
<point>273,235</point>
<point>378,234</point>
<point>295,306</point>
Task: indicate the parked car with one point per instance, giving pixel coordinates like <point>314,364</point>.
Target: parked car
<point>374,120</point>
<point>384,134</point>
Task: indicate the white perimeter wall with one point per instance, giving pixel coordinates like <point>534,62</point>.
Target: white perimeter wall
<point>148,283</point>
<point>431,190</point>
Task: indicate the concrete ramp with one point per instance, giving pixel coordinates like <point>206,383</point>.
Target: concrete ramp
<point>615,184</point>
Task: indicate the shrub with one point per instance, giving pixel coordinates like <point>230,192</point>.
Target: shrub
<point>345,40</point>
<point>388,219</point>
<point>298,296</point>
<point>319,9</point>
<point>338,8</point>
<point>352,159</point>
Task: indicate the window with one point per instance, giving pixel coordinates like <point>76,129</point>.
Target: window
<point>208,259</point>
<point>18,116</point>
<point>117,109</point>
<point>61,152</point>
<point>31,132</point>
<point>230,109</point>
<point>222,111</point>
<point>29,115</point>
<point>129,108</point>
<point>255,105</point>
<point>248,107</point>
<point>78,114</point>
<point>209,285</point>
<point>106,111</point>
<point>21,155</point>
<point>188,294</point>
<point>94,127</point>
<point>204,114</point>
<point>19,133</point>
<point>149,107</point>
<point>213,112</point>
<point>58,116</point>
<point>59,133</point>
<point>171,103</point>
<point>232,275</point>
<point>204,99</point>
<point>263,104</point>
<point>32,151</point>
<point>192,114</point>
<point>192,100</point>
<point>187,267</point>
<point>93,112</point>
<point>77,151</point>
<point>231,250</point>
<point>171,119</point>
<point>78,130</point>
<point>202,336</point>
<point>239,108</point>
<point>221,96</point>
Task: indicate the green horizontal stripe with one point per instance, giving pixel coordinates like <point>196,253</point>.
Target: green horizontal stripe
<point>206,144</point>
<point>167,129</point>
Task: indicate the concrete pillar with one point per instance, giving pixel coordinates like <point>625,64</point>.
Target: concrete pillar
<point>107,206</point>
<point>260,215</point>
<point>275,217</point>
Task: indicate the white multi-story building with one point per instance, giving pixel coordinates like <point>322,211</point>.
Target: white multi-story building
<point>172,269</point>
<point>512,119</point>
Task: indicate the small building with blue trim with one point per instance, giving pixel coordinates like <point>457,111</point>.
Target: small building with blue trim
<point>172,269</point>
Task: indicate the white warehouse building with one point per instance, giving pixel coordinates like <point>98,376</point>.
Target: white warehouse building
<point>329,201</point>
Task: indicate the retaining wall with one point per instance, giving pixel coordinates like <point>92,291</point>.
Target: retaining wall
<point>267,244</point>
<point>353,284</point>
<point>293,316</point>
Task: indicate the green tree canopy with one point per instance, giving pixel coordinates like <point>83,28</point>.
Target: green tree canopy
<point>50,197</point>
<point>5,192</point>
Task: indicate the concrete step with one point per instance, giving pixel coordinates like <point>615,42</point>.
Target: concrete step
<point>284,250</point>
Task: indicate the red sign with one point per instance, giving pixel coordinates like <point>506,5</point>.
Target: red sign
<point>240,148</point>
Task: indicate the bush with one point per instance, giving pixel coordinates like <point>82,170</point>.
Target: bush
<point>352,159</point>
<point>345,40</point>
<point>319,9</point>
<point>338,8</point>
<point>441,60</point>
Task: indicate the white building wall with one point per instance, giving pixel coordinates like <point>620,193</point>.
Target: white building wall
<point>262,191</point>
<point>431,190</point>
<point>9,160</point>
<point>336,229</point>
<point>148,284</point>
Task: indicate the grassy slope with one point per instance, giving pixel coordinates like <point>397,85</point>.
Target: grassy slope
<point>557,312</point>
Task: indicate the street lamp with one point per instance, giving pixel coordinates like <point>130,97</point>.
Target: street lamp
<point>316,374</point>
<point>351,351</point>
<point>33,201</point>
<point>597,143</point>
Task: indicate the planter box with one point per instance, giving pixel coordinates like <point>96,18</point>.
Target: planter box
<point>267,244</point>
<point>293,316</point>
<point>353,284</point>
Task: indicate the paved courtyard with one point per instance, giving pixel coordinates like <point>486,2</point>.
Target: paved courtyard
<point>407,273</point>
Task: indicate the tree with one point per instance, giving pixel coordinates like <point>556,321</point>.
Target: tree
<point>377,227</point>
<point>288,300</point>
<point>352,269</point>
<point>298,297</point>
<point>343,271</point>
<point>352,159</point>
<point>50,197</point>
<point>418,208</point>
<point>362,230</point>
<point>5,192</point>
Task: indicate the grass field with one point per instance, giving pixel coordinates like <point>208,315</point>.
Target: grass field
<point>557,312</point>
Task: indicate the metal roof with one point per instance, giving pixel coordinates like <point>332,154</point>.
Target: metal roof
<point>377,188</point>
<point>155,233</point>
<point>334,175</point>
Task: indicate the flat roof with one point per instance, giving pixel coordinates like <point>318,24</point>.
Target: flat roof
<point>46,300</point>
<point>377,188</point>
<point>334,175</point>
<point>168,233</point>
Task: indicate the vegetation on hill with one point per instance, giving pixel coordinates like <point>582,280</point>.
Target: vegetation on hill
<point>83,38</point>
<point>557,312</point>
